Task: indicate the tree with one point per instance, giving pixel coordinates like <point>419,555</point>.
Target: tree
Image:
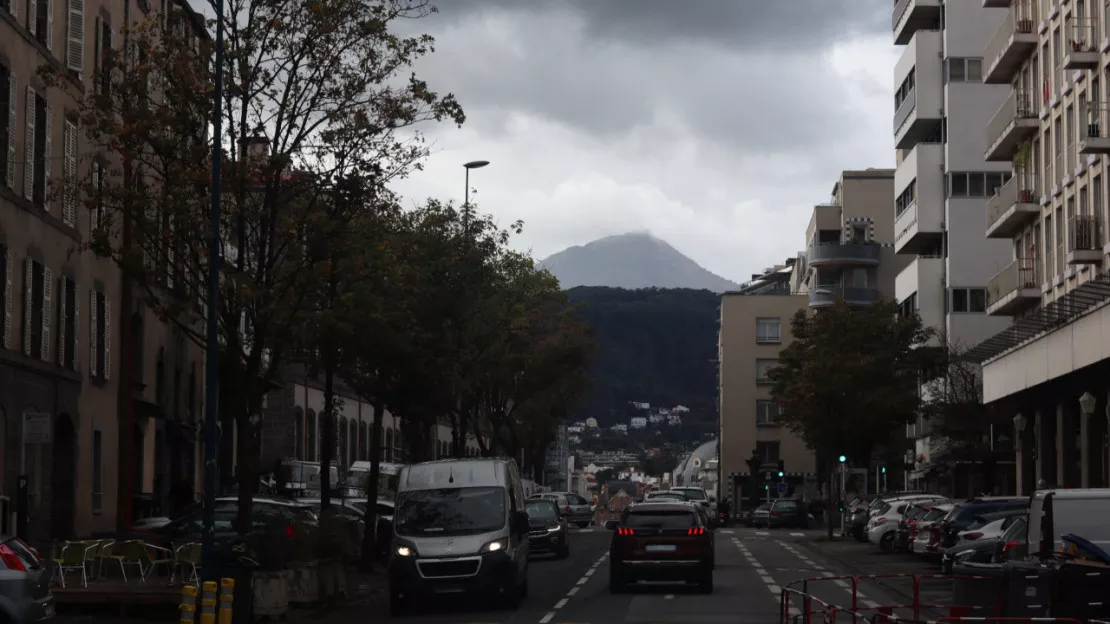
<point>850,379</point>
<point>313,91</point>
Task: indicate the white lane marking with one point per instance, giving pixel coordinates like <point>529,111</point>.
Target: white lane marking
<point>583,580</point>
<point>871,603</point>
<point>668,597</point>
<point>797,535</point>
<point>562,603</point>
<point>591,571</point>
<point>727,531</point>
<point>547,618</point>
<point>762,533</point>
<point>767,579</point>
<point>775,589</point>
<point>573,591</point>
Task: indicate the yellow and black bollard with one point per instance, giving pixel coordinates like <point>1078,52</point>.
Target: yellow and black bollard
<point>208,603</point>
<point>188,606</point>
<point>227,600</point>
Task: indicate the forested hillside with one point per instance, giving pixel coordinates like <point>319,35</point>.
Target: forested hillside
<point>655,345</point>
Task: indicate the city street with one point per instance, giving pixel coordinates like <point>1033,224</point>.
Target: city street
<point>752,566</point>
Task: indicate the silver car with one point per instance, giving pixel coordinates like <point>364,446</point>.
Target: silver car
<point>25,594</point>
<point>573,508</point>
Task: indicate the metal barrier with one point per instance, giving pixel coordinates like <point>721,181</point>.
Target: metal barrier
<point>799,605</point>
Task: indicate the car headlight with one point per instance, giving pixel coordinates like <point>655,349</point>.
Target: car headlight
<point>495,546</point>
<point>555,529</point>
<point>405,551</point>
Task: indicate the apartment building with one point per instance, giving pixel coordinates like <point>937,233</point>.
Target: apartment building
<point>1050,366</point>
<point>754,328</point>
<point>59,360</point>
<point>849,253</point>
<point>946,177</point>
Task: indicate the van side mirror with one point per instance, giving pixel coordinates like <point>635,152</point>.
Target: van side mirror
<point>610,525</point>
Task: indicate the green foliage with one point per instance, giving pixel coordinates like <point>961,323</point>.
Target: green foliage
<point>655,345</point>
<point>851,377</point>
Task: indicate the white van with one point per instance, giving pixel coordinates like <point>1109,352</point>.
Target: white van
<point>1082,512</point>
<point>459,527</point>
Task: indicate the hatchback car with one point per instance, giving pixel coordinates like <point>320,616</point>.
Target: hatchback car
<point>25,594</point>
<point>660,542</point>
<point>787,513</point>
<point>547,530</point>
<point>576,509</point>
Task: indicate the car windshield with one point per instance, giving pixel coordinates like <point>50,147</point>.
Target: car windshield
<point>786,504</point>
<point>659,519</point>
<point>453,511</point>
<point>693,494</point>
<point>541,509</point>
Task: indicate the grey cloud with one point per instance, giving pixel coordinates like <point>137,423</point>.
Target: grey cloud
<point>738,24</point>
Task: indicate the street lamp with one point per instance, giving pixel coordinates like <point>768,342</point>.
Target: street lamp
<point>1087,403</point>
<point>474,164</point>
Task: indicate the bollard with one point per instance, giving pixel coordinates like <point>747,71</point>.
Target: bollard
<point>227,600</point>
<point>188,606</point>
<point>208,603</point>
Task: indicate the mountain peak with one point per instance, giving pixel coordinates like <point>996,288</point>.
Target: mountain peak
<point>632,260</point>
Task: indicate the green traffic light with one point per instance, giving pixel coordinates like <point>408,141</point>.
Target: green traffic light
<point>843,459</point>
<point>781,473</point>
<point>766,487</point>
<point>884,469</point>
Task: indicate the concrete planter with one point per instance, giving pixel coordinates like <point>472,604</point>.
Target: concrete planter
<point>304,583</point>
<point>271,593</point>
<point>333,579</point>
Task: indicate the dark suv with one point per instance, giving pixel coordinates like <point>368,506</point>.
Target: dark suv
<point>660,542</point>
<point>788,513</point>
<point>963,514</point>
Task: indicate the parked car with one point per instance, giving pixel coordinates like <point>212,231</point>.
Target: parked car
<point>701,497</point>
<point>903,535</point>
<point>884,522</point>
<point>576,509</point>
<point>664,541</point>
<point>265,513</point>
<point>1012,545</point>
<point>964,514</point>
<point>760,517</point>
<point>547,530</point>
<point>25,594</point>
<point>787,513</point>
<point>977,544</point>
<point>926,537</point>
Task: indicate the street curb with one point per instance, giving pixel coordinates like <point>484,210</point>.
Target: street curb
<point>856,570</point>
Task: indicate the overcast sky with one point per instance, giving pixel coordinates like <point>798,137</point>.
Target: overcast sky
<point>714,124</point>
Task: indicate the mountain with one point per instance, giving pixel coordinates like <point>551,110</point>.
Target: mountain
<point>656,346</point>
<point>634,260</point>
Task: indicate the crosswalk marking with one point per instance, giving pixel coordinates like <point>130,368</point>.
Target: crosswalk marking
<point>797,535</point>
<point>762,533</point>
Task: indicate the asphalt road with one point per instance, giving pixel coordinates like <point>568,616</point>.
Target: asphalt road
<point>752,568</point>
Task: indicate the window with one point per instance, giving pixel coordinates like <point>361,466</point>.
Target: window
<point>97,470</point>
<point>768,451</point>
<point>40,21</point>
<point>36,310</point>
<point>908,307</point>
<point>906,198</point>
<point>95,219</point>
<point>67,323</point>
<point>100,335</point>
<point>969,299</point>
<point>976,183</point>
<point>766,412</point>
<point>103,57</point>
<point>762,369</point>
<point>7,126</point>
<point>905,91</point>
<point>768,330</point>
<point>964,69</point>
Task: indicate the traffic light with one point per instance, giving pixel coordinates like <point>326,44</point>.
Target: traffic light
<point>781,474</point>
<point>884,469</point>
<point>766,487</point>
<point>782,468</point>
<point>843,459</point>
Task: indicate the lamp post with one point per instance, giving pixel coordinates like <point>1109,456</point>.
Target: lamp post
<point>1020,422</point>
<point>474,164</point>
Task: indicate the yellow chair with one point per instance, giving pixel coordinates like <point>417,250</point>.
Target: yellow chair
<point>156,556</point>
<point>186,557</point>
<point>102,548</point>
<point>75,556</point>
<point>131,552</point>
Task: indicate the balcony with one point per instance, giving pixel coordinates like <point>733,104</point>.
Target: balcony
<point>996,4</point>
<point>829,254</point>
<point>1012,43</point>
<point>1080,46</point>
<point>1014,206</point>
<point>827,295</point>
<point>918,115</point>
<point>911,16</point>
<point>1092,138</point>
<point>1083,240</point>
<point>919,227</point>
<point>1014,288</point>
<point>1015,121</point>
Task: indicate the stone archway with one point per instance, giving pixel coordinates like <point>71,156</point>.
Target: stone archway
<point>63,476</point>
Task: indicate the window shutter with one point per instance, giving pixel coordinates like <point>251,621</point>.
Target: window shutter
<point>76,326</point>
<point>107,337</point>
<point>46,156</point>
<point>32,15</point>
<point>9,294</point>
<point>94,218</point>
<point>29,146</point>
<point>170,244</point>
<point>28,291</point>
<point>92,332</point>
<point>69,197</point>
<point>12,100</point>
<point>47,279</point>
<point>62,322</point>
<point>75,36</point>
<point>49,24</point>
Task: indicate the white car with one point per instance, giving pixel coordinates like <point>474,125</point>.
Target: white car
<point>884,520</point>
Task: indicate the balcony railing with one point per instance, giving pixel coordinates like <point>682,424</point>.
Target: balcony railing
<point>867,253</point>
<point>1020,105</point>
<point>1080,43</point>
<point>1019,274</point>
<point>1083,233</point>
<point>905,108</point>
<point>1018,21</point>
<point>1020,189</point>
<point>899,10</point>
<point>827,295</point>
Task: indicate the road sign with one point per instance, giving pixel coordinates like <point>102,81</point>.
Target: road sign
<point>782,488</point>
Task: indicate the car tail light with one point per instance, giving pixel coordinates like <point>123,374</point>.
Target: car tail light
<point>289,532</point>
<point>11,560</point>
<point>625,531</point>
<point>1009,546</point>
<point>567,510</point>
<point>973,536</point>
<point>880,521</point>
<point>772,512</point>
<point>696,531</point>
